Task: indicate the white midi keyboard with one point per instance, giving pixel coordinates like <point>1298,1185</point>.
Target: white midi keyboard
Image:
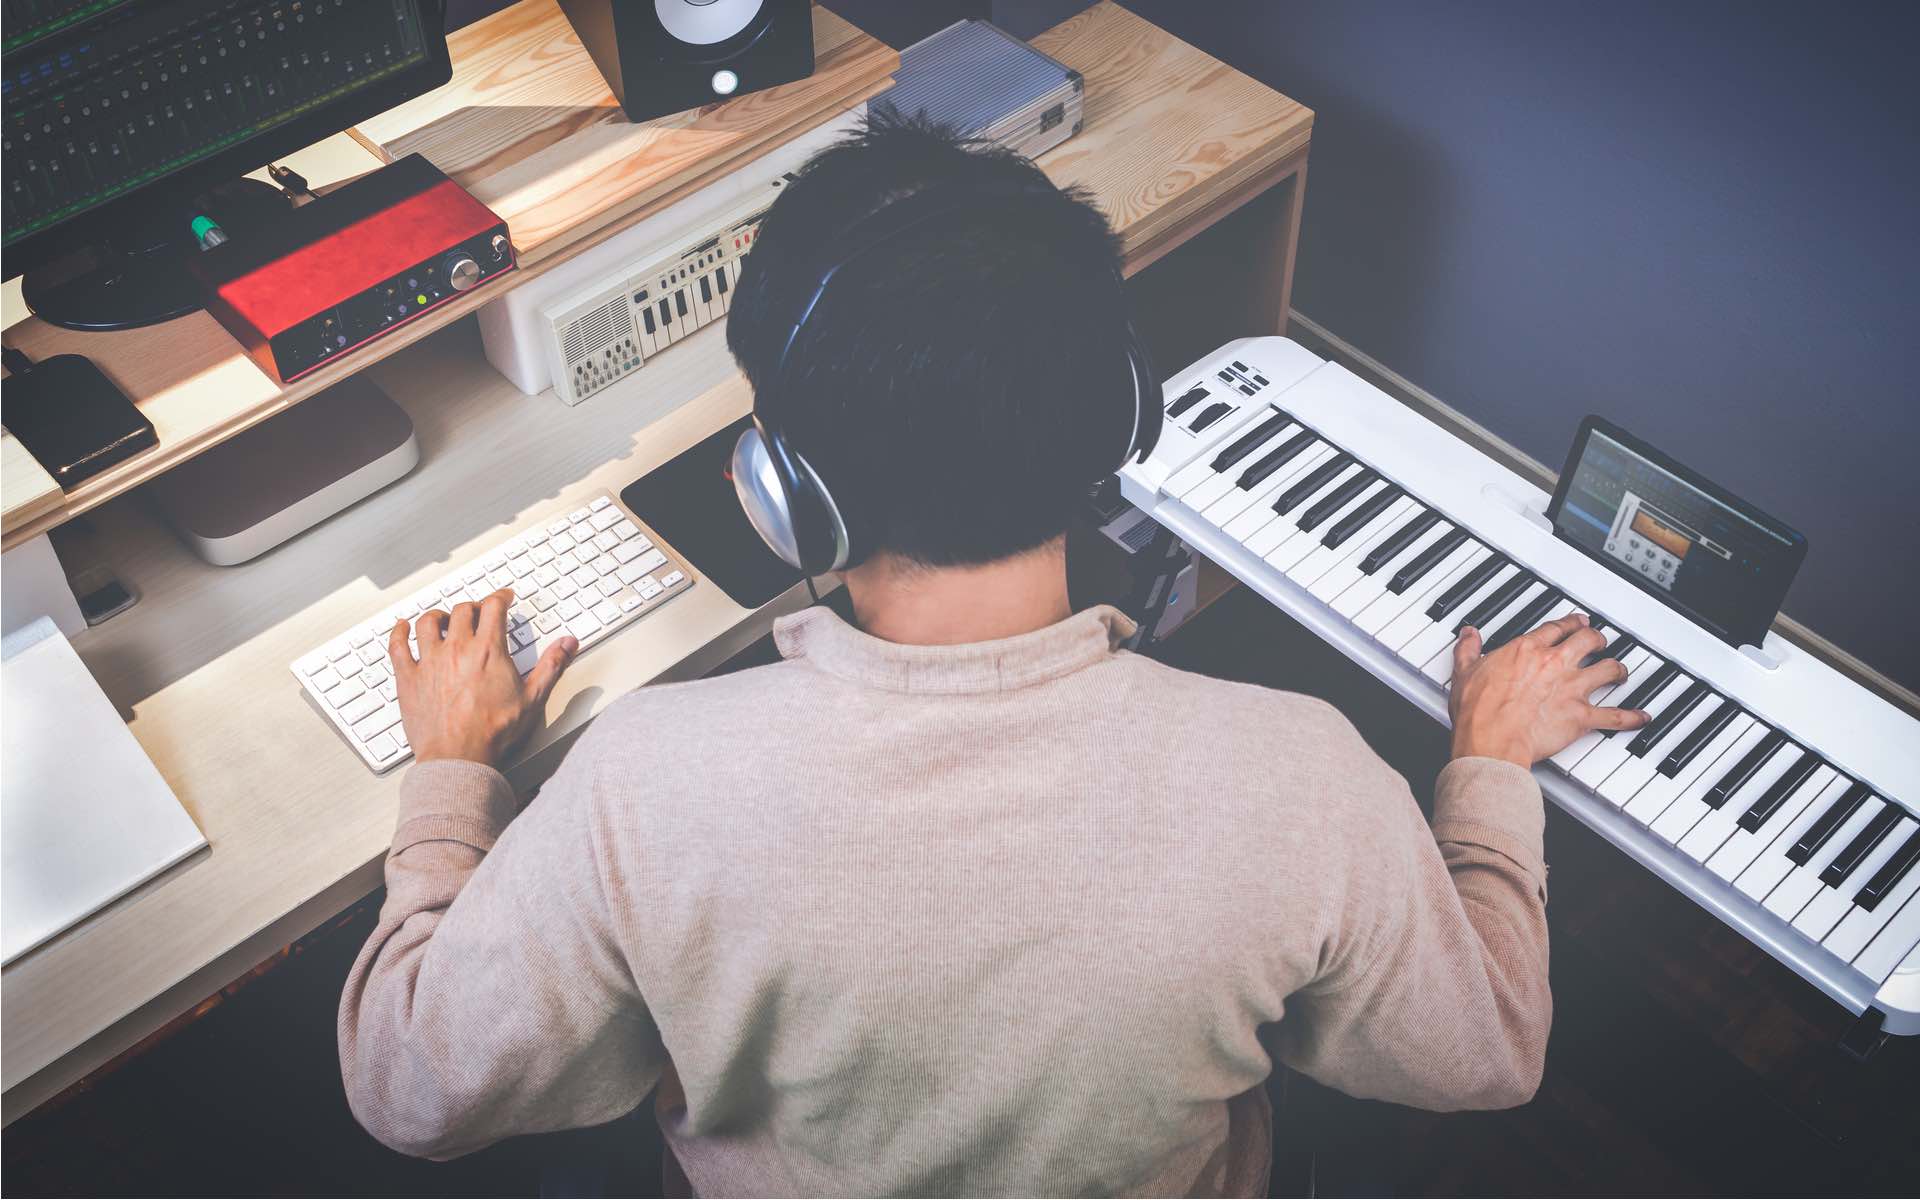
<point>586,573</point>
<point>1770,788</point>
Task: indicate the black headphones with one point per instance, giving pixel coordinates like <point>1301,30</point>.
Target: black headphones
<point>789,504</point>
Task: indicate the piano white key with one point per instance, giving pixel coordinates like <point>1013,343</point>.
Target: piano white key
<point>1897,941</point>
<point>1242,510</point>
<point>1803,882</point>
<point>1216,484</point>
<point>1303,542</point>
<point>1323,557</point>
<point>1439,666</point>
<point>1612,751</point>
<point>1385,617</point>
<point>1640,663</point>
<point>1417,640</point>
<point>1369,588</point>
<point>1772,865</point>
<point>1344,570</point>
<point>1635,773</point>
<point>1279,527</point>
<point>1652,800</point>
<point>1690,804</point>
<point>1859,927</point>
<point>1830,904</point>
<point>1743,845</point>
<point>1713,829</point>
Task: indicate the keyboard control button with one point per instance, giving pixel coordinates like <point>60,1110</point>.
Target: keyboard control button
<point>583,626</point>
<point>625,530</point>
<point>605,519</point>
<point>359,637</point>
<point>336,651</point>
<point>347,690</point>
<point>652,559</point>
<point>557,526</point>
<point>325,681</point>
<point>671,579</point>
<point>630,601</point>
<point>600,504</point>
<point>649,588</point>
<point>604,542</point>
<point>578,514</point>
<point>629,573</point>
<point>383,748</point>
<point>607,611</point>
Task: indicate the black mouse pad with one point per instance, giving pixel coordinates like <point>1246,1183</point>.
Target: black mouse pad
<point>690,503</point>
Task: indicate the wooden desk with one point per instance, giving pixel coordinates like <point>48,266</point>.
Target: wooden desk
<point>528,126</point>
<point>297,828</point>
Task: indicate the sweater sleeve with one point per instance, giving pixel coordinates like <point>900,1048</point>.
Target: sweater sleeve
<point>1434,990</point>
<point>491,999</point>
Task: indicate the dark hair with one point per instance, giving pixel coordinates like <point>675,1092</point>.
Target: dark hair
<point>959,386</point>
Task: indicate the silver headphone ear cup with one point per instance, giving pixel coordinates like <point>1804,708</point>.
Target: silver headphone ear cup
<point>762,497</point>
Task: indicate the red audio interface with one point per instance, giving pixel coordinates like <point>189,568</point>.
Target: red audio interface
<point>351,266</point>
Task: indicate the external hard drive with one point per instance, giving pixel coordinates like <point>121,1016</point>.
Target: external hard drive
<point>988,84</point>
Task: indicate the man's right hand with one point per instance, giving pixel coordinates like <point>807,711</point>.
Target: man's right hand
<point>1531,698</point>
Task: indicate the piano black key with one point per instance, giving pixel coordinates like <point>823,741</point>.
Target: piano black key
<point>1617,649</point>
<point>706,291</point>
<point>1651,733</point>
<point>1650,687</point>
<point>680,302</point>
<point>1336,500</point>
<point>1276,458</point>
<point>1250,441</point>
<point>1314,480</point>
<point>1843,863</point>
<point>646,315</point>
<point>1466,586</point>
<point>1210,414</point>
<point>1890,873</point>
<point>666,312</point>
<point>1187,401</point>
<point>1771,800</point>
<point>1361,517</point>
<point>1818,833</point>
<point>1524,620</point>
<point>1390,549</point>
<point>1426,560</point>
<point>720,280</point>
<point>1697,740</point>
<point>1497,600</point>
<point>1744,770</point>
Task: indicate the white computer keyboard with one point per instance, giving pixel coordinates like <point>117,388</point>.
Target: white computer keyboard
<point>588,572</point>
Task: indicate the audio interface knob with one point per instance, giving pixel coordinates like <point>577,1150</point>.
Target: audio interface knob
<point>500,247</point>
<point>462,272</point>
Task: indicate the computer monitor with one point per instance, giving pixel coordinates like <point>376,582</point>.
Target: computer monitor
<point>121,118</point>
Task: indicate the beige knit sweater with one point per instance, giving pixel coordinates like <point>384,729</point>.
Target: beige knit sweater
<point>1030,916</point>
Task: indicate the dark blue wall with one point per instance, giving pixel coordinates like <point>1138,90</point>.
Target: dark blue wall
<point>1697,218</point>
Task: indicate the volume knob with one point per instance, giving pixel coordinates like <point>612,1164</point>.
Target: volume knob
<point>462,272</point>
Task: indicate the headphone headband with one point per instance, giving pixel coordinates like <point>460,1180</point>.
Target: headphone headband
<point>784,496</point>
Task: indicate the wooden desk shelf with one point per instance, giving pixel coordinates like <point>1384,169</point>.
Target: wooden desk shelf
<point>528,125</point>
<point>297,827</point>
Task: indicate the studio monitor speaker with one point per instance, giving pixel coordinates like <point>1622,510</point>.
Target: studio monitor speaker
<point>664,56</point>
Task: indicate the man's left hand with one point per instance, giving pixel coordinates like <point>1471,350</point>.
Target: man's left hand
<point>463,699</point>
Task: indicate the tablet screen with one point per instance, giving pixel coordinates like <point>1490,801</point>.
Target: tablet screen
<point>1700,549</point>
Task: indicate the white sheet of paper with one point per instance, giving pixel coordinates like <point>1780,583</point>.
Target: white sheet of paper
<point>84,815</point>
